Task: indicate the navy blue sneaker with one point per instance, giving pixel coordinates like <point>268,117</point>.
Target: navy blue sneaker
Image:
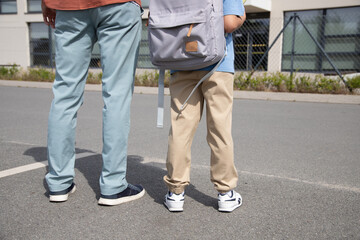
<point>63,195</point>
<point>132,192</point>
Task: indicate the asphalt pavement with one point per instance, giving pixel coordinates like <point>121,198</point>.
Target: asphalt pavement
<point>298,163</point>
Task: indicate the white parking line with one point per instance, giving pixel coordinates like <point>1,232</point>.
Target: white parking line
<point>25,168</point>
<point>21,143</point>
<point>319,184</point>
<point>152,161</point>
<point>31,166</point>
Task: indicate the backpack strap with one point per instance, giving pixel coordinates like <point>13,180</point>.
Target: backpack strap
<point>201,80</point>
<point>160,112</point>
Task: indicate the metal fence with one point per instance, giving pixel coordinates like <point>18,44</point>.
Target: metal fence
<point>250,43</point>
<point>317,41</point>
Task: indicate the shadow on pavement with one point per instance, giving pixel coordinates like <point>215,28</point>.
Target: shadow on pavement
<point>147,174</point>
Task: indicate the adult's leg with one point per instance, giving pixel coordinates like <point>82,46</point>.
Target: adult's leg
<point>183,127</point>
<point>119,34</point>
<point>218,93</point>
<point>74,40</point>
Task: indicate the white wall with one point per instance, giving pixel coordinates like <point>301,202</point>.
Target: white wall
<point>255,6</point>
<point>14,36</point>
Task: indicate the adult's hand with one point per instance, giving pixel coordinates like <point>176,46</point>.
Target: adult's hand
<point>49,14</point>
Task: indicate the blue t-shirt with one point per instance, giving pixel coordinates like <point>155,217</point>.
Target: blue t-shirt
<point>231,7</point>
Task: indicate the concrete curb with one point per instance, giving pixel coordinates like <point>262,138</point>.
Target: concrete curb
<point>253,95</point>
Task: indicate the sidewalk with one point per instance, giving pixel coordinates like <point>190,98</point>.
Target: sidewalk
<point>272,96</point>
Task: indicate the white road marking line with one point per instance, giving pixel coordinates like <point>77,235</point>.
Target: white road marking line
<point>152,161</point>
<point>24,168</point>
<point>21,169</point>
<point>320,184</point>
<point>33,166</point>
<point>21,143</point>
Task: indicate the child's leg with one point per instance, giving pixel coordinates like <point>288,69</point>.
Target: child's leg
<point>183,127</point>
<point>218,93</point>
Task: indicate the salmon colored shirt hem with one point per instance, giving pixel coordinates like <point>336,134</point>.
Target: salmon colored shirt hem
<point>82,4</point>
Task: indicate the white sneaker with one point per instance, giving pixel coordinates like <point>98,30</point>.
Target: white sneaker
<point>174,202</point>
<point>229,201</point>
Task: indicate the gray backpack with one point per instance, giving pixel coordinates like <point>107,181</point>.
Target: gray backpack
<point>186,34</point>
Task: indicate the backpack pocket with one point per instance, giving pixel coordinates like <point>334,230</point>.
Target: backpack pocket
<point>179,36</point>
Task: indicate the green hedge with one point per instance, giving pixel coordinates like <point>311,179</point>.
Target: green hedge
<point>276,82</point>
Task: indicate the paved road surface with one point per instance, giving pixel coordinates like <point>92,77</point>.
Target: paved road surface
<point>298,165</point>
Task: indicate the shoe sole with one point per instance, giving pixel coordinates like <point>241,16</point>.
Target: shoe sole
<point>63,197</point>
<point>174,209</point>
<point>225,209</point>
<point>113,202</point>
<point>228,209</point>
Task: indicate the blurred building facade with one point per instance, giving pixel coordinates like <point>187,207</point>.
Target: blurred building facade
<point>335,25</point>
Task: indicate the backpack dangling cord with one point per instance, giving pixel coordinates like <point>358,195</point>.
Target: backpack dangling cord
<point>160,112</point>
<point>201,80</point>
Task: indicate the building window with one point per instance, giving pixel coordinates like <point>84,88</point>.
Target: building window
<point>336,30</point>
<point>34,6</point>
<point>95,61</point>
<point>144,52</point>
<point>251,42</point>
<point>8,6</point>
<point>42,47</point>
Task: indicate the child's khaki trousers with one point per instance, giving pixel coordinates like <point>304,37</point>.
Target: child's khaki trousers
<point>217,91</point>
